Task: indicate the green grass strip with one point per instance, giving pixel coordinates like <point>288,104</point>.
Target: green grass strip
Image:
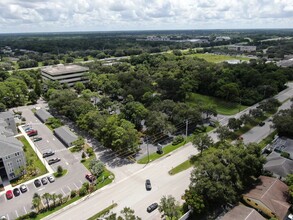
<point>181,167</point>
<point>103,212</point>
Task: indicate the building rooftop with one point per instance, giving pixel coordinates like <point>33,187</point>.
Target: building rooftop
<point>67,135</point>
<point>278,165</point>
<point>61,69</point>
<point>9,145</point>
<point>43,114</point>
<point>242,212</point>
<point>272,193</point>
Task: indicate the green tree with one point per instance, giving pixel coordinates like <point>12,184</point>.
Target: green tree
<point>223,133</point>
<point>60,198</point>
<point>135,112</point>
<point>38,89</point>
<point>201,141</point>
<point>47,197</point>
<point>170,207</point>
<point>59,170</point>
<point>32,97</point>
<point>96,167</point>
<point>283,122</point>
<point>54,198</point>
<point>128,214</point>
<point>234,123</point>
<point>79,143</point>
<point>36,201</point>
<point>157,122</point>
<point>79,87</point>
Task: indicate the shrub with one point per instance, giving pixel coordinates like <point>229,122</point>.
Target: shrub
<point>59,170</point>
<point>82,191</point>
<point>83,155</point>
<point>86,185</point>
<point>73,193</point>
<point>178,140</point>
<point>90,151</point>
<point>285,154</point>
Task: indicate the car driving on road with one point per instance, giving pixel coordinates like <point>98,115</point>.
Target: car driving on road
<point>152,207</point>
<point>148,185</point>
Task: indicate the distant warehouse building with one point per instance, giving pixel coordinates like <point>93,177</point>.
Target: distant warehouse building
<point>66,136</point>
<point>69,74</point>
<point>242,48</point>
<point>43,115</point>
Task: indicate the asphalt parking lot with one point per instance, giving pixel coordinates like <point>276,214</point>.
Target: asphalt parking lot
<point>73,180</point>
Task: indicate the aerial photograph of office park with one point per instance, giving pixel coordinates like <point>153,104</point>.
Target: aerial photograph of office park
<point>146,110</point>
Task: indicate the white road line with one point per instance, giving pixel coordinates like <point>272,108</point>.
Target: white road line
<point>8,217</point>
<point>81,182</point>
<point>47,141</point>
<point>53,139</point>
<point>63,192</point>
<point>69,188</point>
<point>41,189</point>
<point>75,186</point>
<point>67,163</point>
<point>16,214</point>
<point>25,210</point>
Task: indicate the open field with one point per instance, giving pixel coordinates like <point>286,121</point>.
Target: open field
<point>213,58</point>
<point>223,107</point>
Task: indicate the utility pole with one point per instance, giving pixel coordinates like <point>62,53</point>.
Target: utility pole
<point>186,131</point>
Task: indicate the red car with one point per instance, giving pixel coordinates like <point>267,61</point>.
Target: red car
<point>90,177</point>
<point>9,194</point>
<point>32,133</point>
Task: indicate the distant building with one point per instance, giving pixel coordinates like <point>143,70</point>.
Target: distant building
<point>12,158</point>
<point>233,61</point>
<point>269,197</point>
<point>278,165</point>
<point>43,115</point>
<point>242,212</point>
<point>285,63</point>
<point>66,136</point>
<point>242,48</point>
<point>156,38</point>
<point>221,39</point>
<point>69,74</point>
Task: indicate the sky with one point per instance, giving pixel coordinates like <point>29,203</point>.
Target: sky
<point>19,16</point>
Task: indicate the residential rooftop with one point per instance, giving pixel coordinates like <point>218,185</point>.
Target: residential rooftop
<point>242,212</point>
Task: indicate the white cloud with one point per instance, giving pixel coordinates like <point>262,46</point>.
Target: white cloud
<point>74,15</point>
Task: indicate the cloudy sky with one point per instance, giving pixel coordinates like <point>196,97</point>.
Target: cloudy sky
<point>107,15</point>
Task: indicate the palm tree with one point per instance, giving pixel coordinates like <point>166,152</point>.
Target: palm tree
<point>53,198</point>
<point>47,197</point>
<point>60,197</point>
<point>36,203</point>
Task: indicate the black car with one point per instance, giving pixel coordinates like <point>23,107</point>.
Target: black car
<point>152,207</point>
<point>55,160</point>
<point>47,154</point>
<point>16,192</point>
<point>44,180</point>
<point>261,124</point>
<point>37,183</point>
<point>148,185</point>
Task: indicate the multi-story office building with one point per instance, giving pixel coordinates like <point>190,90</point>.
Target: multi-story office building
<point>69,74</point>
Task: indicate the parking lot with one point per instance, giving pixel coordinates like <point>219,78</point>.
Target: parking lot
<point>73,180</point>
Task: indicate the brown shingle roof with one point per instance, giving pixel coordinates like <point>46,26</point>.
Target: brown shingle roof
<point>242,212</point>
<point>273,193</point>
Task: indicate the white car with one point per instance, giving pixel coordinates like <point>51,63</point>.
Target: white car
<point>23,188</point>
<point>51,179</point>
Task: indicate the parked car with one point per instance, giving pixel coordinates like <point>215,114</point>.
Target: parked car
<point>16,192</point>
<point>44,180</point>
<point>90,177</point>
<point>261,123</point>
<point>55,160</point>
<point>35,139</point>
<point>9,194</point>
<point>28,129</point>
<point>148,185</point>
<point>51,179</point>
<point>37,183</point>
<point>152,207</point>
<point>32,133</point>
<point>23,188</point>
<point>47,154</point>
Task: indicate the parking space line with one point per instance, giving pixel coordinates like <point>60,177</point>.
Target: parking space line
<point>8,217</point>
<point>25,210</point>
<point>63,192</point>
<point>69,188</point>
<point>81,182</point>
<point>75,186</point>
<point>16,213</point>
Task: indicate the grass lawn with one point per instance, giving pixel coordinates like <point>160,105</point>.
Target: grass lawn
<point>64,172</point>
<point>30,155</point>
<point>217,58</point>
<point>87,161</point>
<point>223,107</point>
<point>181,167</point>
<point>103,212</point>
<point>166,150</point>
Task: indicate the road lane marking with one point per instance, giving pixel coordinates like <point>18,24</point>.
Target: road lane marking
<point>16,213</point>
<point>25,210</point>
<point>66,163</point>
<point>47,141</point>
<point>75,186</point>
<point>8,217</point>
<point>41,189</point>
<point>53,139</point>
<point>69,188</point>
<point>63,192</point>
<point>81,182</point>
